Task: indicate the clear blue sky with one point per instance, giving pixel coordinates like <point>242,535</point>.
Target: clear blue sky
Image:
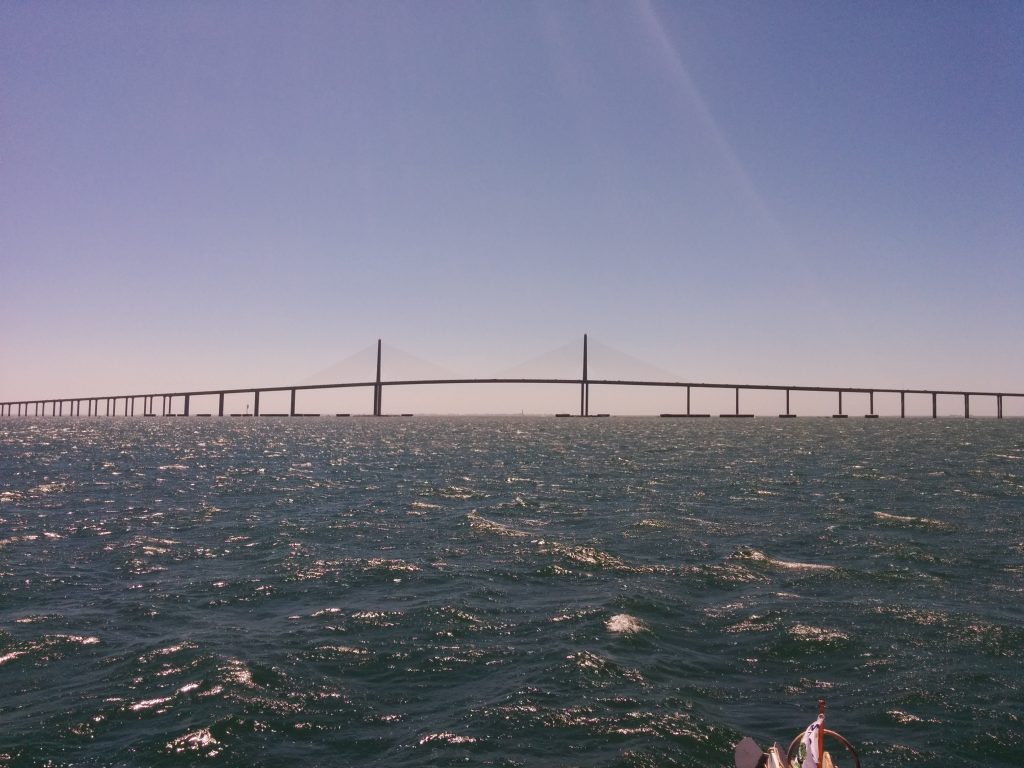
<point>198,195</point>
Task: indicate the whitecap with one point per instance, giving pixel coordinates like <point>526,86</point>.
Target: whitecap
<point>624,624</point>
<point>447,737</point>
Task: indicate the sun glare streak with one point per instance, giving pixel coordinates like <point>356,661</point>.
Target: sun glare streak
<point>667,53</point>
<point>672,62</point>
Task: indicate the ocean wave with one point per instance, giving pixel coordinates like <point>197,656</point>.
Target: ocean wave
<point>424,505</point>
<point>888,517</point>
<point>814,634</point>
<point>480,523</point>
<point>201,742</point>
<point>749,554</point>
<point>590,556</point>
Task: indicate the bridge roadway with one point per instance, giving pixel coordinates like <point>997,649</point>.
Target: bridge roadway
<point>55,406</point>
<point>21,408</point>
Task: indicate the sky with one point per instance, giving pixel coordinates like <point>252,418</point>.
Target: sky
<point>201,195</point>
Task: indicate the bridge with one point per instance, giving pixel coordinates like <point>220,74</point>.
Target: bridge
<point>179,403</point>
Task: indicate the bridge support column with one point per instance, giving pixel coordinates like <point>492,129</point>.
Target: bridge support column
<point>220,405</point>
<point>186,405</point>
<point>903,405</point>
<point>999,406</point>
<point>256,403</point>
<point>935,405</point>
<point>584,386</point>
<point>687,399</point>
<point>967,406</point>
<point>291,412</point>
<point>377,392</point>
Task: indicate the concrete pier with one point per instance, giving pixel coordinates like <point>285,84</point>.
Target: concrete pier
<point>787,414</point>
<point>736,414</point>
<point>840,415</point>
<point>871,407</point>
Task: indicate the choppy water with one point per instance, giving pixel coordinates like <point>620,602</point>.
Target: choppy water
<point>508,592</point>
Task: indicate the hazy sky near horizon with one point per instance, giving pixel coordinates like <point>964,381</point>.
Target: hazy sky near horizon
<point>199,195</point>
